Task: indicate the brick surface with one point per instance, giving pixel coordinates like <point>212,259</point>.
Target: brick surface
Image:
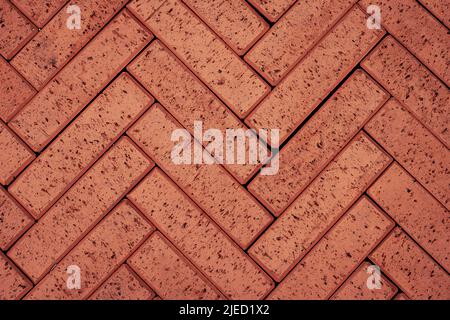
<point>186,97</point>
<point>234,21</point>
<point>144,9</point>
<point>40,11</point>
<point>415,210</point>
<point>414,147</point>
<point>313,78</point>
<point>308,152</point>
<point>286,241</point>
<point>97,255</point>
<point>289,40</point>
<point>15,91</point>
<point>38,64</point>
<point>412,84</point>
<point>418,31</point>
<point>14,155</point>
<point>214,190</point>
<point>170,274</point>
<point>401,296</point>
<point>360,178</point>
<point>355,287</point>
<point>68,157</point>
<point>80,81</point>
<point>80,209</point>
<point>123,284</point>
<point>337,254</point>
<point>14,220</point>
<point>199,238</point>
<point>13,284</point>
<point>208,56</point>
<point>272,10</point>
<point>411,268</point>
<point>15,30</point>
<point>439,9</point>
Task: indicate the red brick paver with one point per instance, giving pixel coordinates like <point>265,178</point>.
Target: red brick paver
<point>13,284</point>
<point>208,56</point>
<point>39,11</point>
<point>412,84</point>
<point>97,128</point>
<point>355,288</point>
<point>14,220</point>
<point>337,254</point>
<point>124,284</point>
<point>89,185</point>
<point>38,64</point>
<point>418,31</point>
<point>411,268</point>
<point>313,78</point>
<point>15,30</point>
<point>170,274</point>
<point>214,190</point>
<point>62,99</point>
<point>16,92</point>
<point>97,255</point>
<point>319,206</point>
<point>14,156</point>
<point>199,238</point>
<point>272,9</point>
<point>80,208</point>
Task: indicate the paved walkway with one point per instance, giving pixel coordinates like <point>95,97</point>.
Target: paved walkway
<point>357,210</point>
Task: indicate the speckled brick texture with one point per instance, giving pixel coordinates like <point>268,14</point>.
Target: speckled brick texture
<point>358,208</point>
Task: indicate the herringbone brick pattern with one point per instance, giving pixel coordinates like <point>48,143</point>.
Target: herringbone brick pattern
<point>85,149</point>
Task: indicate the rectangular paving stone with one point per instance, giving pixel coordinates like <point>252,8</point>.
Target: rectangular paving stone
<point>15,91</point>
<point>80,209</point>
<point>105,248</point>
<point>13,284</point>
<point>423,35</point>
<point>412,84</point>
<point>199,238</point>
<point>234,21</point>
<point>209,185</point>
<point>401,296</point>
<point>337,254</point>
<point>439,8</point>
<point>123,284</point>
<point>39,11</point>
<point>291,38</point>
<point>289,104</point>
<point>144,9</point>
<point>14,155</point>
<point>208,57</point>
<point>414,147</point>
<point>14,220</point>
<point>325,200</point>
<point>411,268</point>
<point>272,9</point>
<point>15,30</point>
<point>56,44</point>
<point>80,145</point>
<point>187,98</point>
<point>319,140</point>
<point>355,287</point>
<point>80,81</point>
<point>415,210</point>
<point>169,273</point>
